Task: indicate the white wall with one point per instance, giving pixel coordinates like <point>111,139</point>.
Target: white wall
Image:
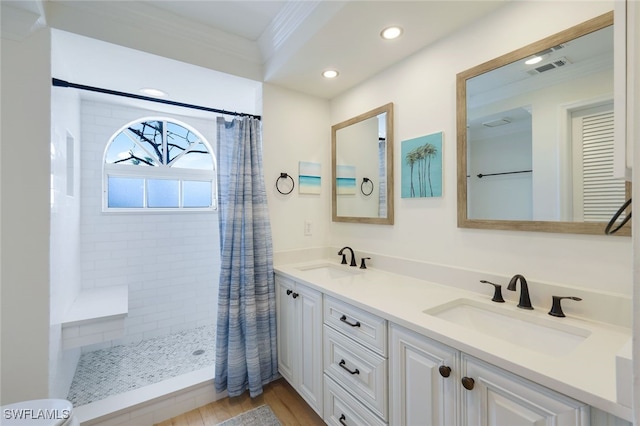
<point>169,261</point>
<point>65,232</point>
<point>296,128</point>
<point>423,91</point>
<point>24,172</point>
<point>499,150</point>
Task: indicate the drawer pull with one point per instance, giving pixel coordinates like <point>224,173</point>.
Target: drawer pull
<point>343,362</point>
<point>343,420</point>
<point>289,292</point>
<point>444,371</point>
<point>344,319</point>
<point>295,295</point>
<point>468,383</point>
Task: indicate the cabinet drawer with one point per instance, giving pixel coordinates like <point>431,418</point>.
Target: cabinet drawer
<point>359,370</point>
<point>363,327</point>
<point>340,408</point>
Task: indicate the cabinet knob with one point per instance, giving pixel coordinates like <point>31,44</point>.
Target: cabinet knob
<point>444,371</point>
<point>343,420</point>
<point>468,383</point>
<point>289,292</point>
<point>294,295</point>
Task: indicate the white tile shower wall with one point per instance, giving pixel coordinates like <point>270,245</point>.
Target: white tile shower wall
<point>169,261</point>
<point>65,273</point>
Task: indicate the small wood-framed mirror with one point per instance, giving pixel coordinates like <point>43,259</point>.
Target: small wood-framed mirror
<point>362,168</point>
<point>527,133</point>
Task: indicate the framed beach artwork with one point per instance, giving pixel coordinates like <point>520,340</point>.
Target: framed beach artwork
<point>308,177</point>
<point>421,169</point>
<point>345,180</point>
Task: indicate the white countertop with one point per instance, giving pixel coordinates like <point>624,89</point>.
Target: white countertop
<point>586,373</point>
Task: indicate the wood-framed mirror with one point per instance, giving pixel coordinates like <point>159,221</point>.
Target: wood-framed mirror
<point>362,168</point>
<point>535,139</point>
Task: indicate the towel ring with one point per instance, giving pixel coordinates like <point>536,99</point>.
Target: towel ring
<point>615,217</point>
<point>285,176</point>
<point>365,180</point>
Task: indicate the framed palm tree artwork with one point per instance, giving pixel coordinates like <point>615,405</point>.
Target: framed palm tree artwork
<point>421,169</point>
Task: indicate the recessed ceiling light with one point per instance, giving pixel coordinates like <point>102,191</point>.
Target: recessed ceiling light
<point>533,60</point>
<point>391,32</point>
<point>156,93</point>
<point>330,74</point>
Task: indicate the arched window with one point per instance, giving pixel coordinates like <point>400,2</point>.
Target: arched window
<point>159,165</point>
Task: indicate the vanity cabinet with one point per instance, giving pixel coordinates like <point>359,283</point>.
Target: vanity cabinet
<point>355,365</point>
<point>423,388</point>
<point>434,384</point>
<point>299,328</point>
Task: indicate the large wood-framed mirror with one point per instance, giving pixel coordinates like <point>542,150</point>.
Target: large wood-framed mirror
<point>362,168</point>
<point>535,139</point>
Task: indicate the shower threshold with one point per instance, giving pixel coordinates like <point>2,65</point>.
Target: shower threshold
<point>153,403</point>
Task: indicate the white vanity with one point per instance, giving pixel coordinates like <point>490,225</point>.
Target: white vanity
<point>371,347</point>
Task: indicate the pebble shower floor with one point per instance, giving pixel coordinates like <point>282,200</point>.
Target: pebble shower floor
<point>123,368</point>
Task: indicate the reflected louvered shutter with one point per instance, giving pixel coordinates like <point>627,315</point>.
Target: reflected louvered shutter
<point>602,195</point>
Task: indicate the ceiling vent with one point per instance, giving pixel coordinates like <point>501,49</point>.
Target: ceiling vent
<point>496,123</point>
<point>556,63</point>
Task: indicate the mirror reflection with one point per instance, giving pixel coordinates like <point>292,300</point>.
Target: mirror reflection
<point>535,135</point>
<point>362,166</point>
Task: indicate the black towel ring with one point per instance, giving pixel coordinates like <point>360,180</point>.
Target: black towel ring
<point>365,180</point>
<point>285,176</point>
<point>615,217</point>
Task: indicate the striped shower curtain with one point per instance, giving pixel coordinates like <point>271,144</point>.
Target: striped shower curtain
<point>246,355</point>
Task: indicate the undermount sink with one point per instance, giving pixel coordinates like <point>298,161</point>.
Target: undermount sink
<point>548,336</point>
<point>331,271</point>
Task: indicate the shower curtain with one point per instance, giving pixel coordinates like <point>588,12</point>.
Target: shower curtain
<point>246,354</point>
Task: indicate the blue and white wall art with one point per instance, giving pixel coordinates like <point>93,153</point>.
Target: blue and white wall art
<point>345,180</point>
<point>421,170</point>
<point>308,177</point>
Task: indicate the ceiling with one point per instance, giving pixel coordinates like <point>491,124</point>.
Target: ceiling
<point>297,40</point>
<point>286,42</point>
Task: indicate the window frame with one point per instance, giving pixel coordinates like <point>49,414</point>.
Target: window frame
<point>161,172</point>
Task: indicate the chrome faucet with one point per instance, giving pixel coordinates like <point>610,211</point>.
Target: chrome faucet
<point>344,259</point>
<point>525,301</point>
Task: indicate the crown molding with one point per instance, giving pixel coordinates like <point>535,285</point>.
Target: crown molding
<point>156,22</point>
<point>284,25</point>
<point>21,18</point>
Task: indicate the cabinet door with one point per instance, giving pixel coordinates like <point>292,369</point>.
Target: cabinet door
<point>309,321</point>
<point>419,393</point>
<point>286,324</point>
<point>501,398</point>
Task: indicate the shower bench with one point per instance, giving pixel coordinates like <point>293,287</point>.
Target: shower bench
<point>97,315</point>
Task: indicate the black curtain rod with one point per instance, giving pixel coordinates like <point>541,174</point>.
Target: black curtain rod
<point>61,83</point>
<point>480,175</point>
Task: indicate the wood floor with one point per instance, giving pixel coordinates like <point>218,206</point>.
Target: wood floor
<point>285,402</point>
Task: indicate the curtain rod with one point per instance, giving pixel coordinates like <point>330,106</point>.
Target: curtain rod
<point>61,83</point>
